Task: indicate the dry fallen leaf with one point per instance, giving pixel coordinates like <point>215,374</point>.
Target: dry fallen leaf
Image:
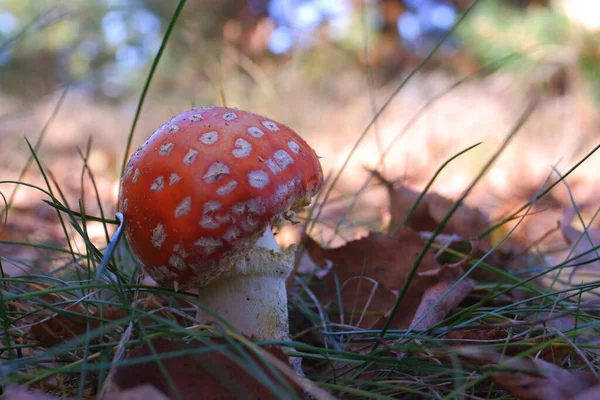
<point>592,393</point>
<point>464,337</point>
<point>467,222</point>
<point>57,328</point>
<point>555,353</point>
<point>535,379</point>
<point>141,392</point>
<point>442,290</point>
<point>460,232</point>
<point>577,250</point>
<point>546,381</point>
<point>198,375</point>
<point>385,259</point>
<point>372,270</point>
<point>21,393</point>
<point>369,271</point>
<point>426,315</point>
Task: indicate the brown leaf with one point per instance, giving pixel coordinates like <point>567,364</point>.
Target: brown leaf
<point>546,382</point>
<point>592,393</point>
<point>56,328</point>
<point>432,316</point>
<point>365,302</point>
<point>535,379</point>
<point>210,374</point>
<point>556,352</point>
<point>21,393</point>
<point>141,392</point>
<point>370,271</point>
<point>460,232</point>
<point>383,258</point>
<point>467,336</point>
<point>467,222</point>
<point>402,200</point>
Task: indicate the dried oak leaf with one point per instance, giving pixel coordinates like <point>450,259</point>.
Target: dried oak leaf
<point>465,337</point>
<point>460,231</point>
<point>370,271</point>
<point>141,392</point>
<point>466,222</point>
<point>56,328</point>
<point>196,375</point>
<point>536,379</point>
<point>592,393</point>
<point>555,353</point>
<point>442,295</point>
<point>427,315</point>
<point>22,393</point>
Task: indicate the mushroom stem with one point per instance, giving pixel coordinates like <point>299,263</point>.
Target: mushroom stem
<point>252,295</point>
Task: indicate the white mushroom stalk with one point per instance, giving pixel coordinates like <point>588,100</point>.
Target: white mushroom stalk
<point>252,295</point>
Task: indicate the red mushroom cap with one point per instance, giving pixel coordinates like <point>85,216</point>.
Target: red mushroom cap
<point>204,187</point>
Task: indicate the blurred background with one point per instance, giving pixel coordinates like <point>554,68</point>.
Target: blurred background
<point>71,74</point>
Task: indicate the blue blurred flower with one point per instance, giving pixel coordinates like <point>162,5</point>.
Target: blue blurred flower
<point>129,56</point>
<point>443,16</point>
<point>297,20</point>
<point>409,26</point>
<point>281,40</point>
<point>425,22</point>
<point>114,28</point>
<point>8,23</point>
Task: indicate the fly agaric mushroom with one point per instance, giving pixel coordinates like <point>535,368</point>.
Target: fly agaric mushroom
<point>199,197</point>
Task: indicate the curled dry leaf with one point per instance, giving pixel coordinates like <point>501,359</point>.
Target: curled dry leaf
<point>56,328</point>
<point>372,270</point>
<point>460,232</point>
<point>533,378</point>
<point>142,392</point>
<point>592,393</point>
<point>510,335</point>
<point>466,221</point>
<point>198,375</point>
<point>21,393</point>
<point>465,337</point>
<point>427,315</point>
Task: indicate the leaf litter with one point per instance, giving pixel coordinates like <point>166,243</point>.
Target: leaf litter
<point>361,280</point>
<point>358,284</point>
<point>219,372</point>
<point>535,379</point>
<point>365,275</point>
<point>141,392</point>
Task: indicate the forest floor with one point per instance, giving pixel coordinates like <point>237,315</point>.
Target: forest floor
<point>513,270</point>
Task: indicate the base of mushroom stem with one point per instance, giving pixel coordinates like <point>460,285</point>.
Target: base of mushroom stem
<point>252,296</point>
<point>255,305</point>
